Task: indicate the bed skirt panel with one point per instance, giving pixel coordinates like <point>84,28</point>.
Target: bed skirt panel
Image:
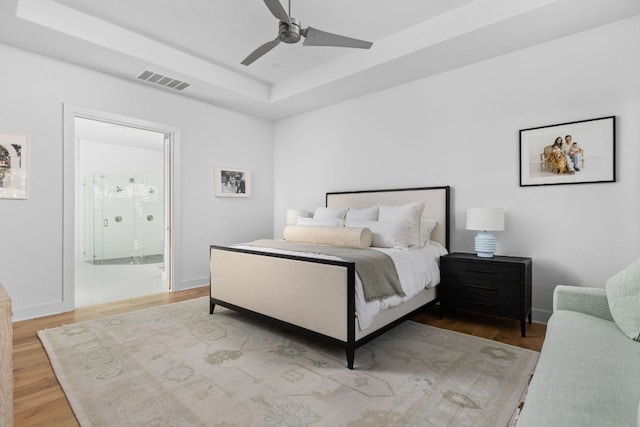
<point>311,295</point>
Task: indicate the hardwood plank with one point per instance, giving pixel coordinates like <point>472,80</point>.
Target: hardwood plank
<point>39,399</point>
<point>493,328</point>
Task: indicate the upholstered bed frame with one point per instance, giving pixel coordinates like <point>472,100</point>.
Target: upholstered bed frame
<point>313,296</point>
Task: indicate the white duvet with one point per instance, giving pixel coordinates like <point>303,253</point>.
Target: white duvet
<point>417,269</point>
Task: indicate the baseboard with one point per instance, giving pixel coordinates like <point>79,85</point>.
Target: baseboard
<point>540,316</point>
<point>34,311</point>
<point>192,283</point>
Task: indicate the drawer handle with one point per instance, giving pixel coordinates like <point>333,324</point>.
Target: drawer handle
<point>486,304</point>
<point>484,288</point>
<point>472,270</point>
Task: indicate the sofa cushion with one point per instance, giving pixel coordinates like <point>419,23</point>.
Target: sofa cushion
<point>588,375</point>
<point>623,294</point>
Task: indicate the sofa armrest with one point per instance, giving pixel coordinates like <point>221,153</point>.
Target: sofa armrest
<point>591,301</point>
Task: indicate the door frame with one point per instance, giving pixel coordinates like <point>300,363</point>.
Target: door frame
<point>70,177</point>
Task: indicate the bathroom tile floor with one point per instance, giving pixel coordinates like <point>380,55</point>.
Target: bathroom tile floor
<point>97,284</point>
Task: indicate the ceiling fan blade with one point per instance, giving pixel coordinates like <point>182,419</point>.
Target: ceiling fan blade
<point>260,51</point>
<point>315,37</point>
<point>278,10</point>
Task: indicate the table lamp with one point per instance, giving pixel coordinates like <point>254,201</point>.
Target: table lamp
<point>485,220</point>
<point>293,214</point>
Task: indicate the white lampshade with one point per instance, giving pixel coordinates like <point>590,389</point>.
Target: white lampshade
<point>485,219</point>
<point>293,214</point>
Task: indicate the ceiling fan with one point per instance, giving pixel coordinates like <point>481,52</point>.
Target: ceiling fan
<point>290,32</point>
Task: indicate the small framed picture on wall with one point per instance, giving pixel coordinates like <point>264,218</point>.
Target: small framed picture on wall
<point>231,182</point>
<point>569,153</point>
<point>14,149</point>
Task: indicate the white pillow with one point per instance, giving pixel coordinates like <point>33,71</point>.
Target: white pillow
<point>623,296</point>
<point>330,213</point>
<point>426,227</point>
<point>366,214</point>
<point>386,234</point>
<point>411,211</point>
<point>329,222</point>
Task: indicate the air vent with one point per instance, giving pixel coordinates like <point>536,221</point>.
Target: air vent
<point>164,81</point>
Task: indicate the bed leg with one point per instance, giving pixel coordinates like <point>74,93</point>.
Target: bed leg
<point>211,307</point>
<point>351,354</point>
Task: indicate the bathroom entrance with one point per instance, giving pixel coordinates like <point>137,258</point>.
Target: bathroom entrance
<point>122,212</point>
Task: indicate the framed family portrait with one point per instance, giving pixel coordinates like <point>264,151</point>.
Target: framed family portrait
<point>232,182</point>
<point>14,150</point>
<point>569,153</point>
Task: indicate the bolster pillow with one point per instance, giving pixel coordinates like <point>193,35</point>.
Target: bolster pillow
<point>351,237</point>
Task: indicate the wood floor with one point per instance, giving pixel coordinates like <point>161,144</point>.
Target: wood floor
<point>39,400</point>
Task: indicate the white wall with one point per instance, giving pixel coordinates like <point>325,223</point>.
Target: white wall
<point>33,90</point>
<point>461,128</point>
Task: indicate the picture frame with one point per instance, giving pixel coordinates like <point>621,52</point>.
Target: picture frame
<point>14,155</point>
<point>594,152</point>
<point>232,182</point>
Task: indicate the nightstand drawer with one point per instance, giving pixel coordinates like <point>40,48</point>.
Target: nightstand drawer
<point>469,286</point>
<point>497,307</point>
<point>483,270</point>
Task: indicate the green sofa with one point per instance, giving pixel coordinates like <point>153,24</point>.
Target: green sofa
<point>589,371</point>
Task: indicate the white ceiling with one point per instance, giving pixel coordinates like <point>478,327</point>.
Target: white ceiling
<point>202,42</point>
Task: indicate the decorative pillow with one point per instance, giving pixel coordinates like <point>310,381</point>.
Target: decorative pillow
<point>329,222</point>
<point>350,237</point>
<point>386,234</point>
<point>330,213</point>
<point>426,227</point>
<point>366,214</point>
<point>411,211</point>
<point>623,295</point>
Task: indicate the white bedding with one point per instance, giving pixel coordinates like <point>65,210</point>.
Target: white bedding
<point>417,269</point>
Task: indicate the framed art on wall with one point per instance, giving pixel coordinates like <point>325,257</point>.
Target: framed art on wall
<point>568,153</point>
<point>14,150</point>
<point>232,182</point>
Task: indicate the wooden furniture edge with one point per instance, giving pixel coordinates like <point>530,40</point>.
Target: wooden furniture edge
<point>6,359</point>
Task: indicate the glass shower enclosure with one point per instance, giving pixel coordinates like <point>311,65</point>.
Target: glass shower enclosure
<point>124,219</point>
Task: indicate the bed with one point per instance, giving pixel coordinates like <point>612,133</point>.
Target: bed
<point>316,295</point>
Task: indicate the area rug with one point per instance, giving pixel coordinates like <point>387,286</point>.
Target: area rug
<point>177,365</point>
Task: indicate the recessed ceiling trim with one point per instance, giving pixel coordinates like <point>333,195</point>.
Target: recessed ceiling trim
<point>455,23</point>
<point>72,22</point>
<point>460,33</point>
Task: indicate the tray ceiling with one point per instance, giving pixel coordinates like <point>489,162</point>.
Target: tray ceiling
<point>201,42</point>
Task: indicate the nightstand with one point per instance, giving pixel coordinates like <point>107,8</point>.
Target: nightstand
<point>500,286</point>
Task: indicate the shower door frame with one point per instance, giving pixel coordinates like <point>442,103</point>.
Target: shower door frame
<point>129,214</point>
<point>70,177</point>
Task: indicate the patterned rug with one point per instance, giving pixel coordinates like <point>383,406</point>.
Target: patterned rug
<point>176,365</point>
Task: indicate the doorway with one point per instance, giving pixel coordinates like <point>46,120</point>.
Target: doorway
<point>121,245</point>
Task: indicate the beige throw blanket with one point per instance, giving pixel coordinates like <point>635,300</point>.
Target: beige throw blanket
<point>376,270</point>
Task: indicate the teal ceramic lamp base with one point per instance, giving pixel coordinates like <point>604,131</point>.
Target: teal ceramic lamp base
<point>485,244</point>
